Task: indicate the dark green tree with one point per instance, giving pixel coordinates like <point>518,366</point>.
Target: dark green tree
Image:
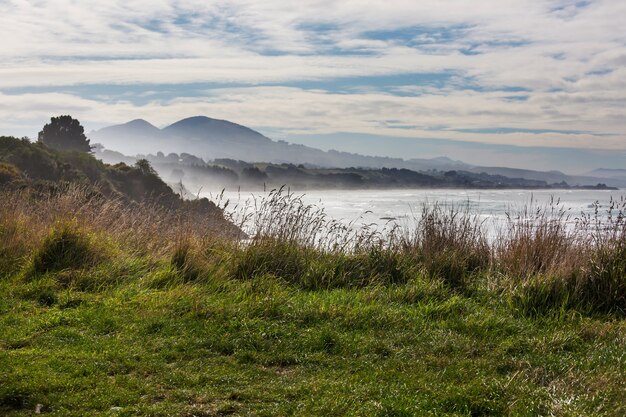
<point>65,133</point>
<point>144,166</point>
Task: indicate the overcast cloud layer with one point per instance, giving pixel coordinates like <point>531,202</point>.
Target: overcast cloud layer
<point>520,72</point>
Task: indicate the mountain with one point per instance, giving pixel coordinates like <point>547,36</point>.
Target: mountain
<point>619,174</point>
<point>138,127</point>
<point>133,137</point>
<point>216,139</point>
<point>553,177</point>
<point>212,139</point>
<point>205,129</point>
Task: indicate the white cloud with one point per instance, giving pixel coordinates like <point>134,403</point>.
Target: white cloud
<point>571,59</point>
<point>294,110</point>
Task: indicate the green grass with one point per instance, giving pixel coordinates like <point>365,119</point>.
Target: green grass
<point>111,310</point>
<point>153,342</point>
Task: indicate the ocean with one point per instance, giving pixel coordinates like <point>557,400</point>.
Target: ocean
<point>383,206</point>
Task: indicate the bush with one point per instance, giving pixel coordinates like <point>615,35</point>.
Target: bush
<point>182,260</point>
<point>66,247</point>
<point>541,295</point>
<point>9,173</point>
<point>603,287</point>
<point>281,259</point>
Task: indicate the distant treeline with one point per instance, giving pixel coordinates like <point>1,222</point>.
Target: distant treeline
<point>195,173</point>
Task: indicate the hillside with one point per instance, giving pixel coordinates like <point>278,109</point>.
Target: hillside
<point>619,174</point>
<point>35,167</point>
<point>554,177</point>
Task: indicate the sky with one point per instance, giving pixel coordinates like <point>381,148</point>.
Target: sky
<point>496,74</point>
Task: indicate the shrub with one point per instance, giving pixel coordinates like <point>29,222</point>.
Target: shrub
<point>9,173</point>
<point>541,295</point>
<point>603,287</point>
<point>284,260</point>
<point>66,247</point>
<point>183,261</point>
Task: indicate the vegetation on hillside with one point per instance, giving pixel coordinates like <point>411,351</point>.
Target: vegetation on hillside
<point>37,168</point>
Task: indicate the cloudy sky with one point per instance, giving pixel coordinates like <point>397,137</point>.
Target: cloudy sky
<point>535,74</point>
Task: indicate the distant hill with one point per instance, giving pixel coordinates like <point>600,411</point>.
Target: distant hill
<point>133,137</point>
<point>196,175</point>
<point>214,139</point>
<point>221,132</point>
<point>619,174</point>
<point>553,177</point>
<point>137,128</point>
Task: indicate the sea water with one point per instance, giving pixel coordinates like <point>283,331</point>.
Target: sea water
<point>380,207</point>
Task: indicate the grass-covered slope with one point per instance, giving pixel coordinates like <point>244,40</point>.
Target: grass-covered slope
<point>151,344</point>
<point>36,167</point>
<point>113,309</point>
<point>37,164</point>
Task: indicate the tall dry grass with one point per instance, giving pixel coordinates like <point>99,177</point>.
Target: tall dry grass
<point>542,259</point>
<point>299,243</point>
<point>547,256</point>
<point>543,256</point>
<point>283,216</point>
<point>450,242</point>
<point>28,218</point>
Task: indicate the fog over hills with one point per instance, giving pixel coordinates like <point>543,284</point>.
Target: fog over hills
<point>212,139</point>
<point>609,173</point>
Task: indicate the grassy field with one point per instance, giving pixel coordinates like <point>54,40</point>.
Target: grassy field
<point>106,310</point>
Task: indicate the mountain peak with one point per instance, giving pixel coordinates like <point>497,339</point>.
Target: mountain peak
<point>201,121</point>
<point>206,128</point>
<point>140,123</point>
<point>195,119</point>
<point>137,127</point>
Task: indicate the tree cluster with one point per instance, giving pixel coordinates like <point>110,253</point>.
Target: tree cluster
<point>64,133</point>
